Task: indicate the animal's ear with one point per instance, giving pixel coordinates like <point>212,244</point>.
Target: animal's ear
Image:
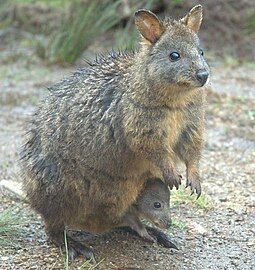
<point>148,24</point>
<point>194,18</point>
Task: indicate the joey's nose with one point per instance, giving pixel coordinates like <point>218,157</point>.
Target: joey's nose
<point>202,76</point>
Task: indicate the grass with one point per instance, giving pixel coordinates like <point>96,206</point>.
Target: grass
<point>250,22</point>
<point>14,13</point>
<point>250,64</point>
<point>182,196</point>
<point>230,60</point>
<point>4,22</point>
<point>176,223</point>
<point>127,37</point>
<point>79,28</point>
<point>48,3</point>
<point>10,222</point>
<point>86,265</point>
<point>176,2</point>
<point>66,249</point>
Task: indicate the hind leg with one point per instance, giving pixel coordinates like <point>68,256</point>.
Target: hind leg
<point>158,236</point>
<point>56,233</point>
<point>162,238</point>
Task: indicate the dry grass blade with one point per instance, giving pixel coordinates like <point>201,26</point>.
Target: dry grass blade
<point>86,265</point>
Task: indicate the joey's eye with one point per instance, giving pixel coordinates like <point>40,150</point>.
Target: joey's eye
<point>201,52</point>
<point>157,205</point>
<point>174,56</point>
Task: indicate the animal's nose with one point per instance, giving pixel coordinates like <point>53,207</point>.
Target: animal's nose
<point>202,76</point>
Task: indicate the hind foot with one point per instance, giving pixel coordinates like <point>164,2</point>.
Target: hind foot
<point>162,238</point>
<point>75,249</point>
<point>153,235</point>
<point>67,244</point>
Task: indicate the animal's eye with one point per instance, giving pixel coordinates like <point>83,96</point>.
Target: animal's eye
<point>157,205</point>
<point>174,56</point>
<point>201,52</point>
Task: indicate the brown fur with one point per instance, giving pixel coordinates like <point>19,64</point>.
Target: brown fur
<point>155,191</point>
<point>103,132</point>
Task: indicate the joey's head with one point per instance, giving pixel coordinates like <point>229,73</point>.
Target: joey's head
<point>170,50</point>
<point>153,203</point>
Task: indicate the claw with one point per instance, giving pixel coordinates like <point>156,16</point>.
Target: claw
<point>198,190</point>
<point>178,183</point>
<point>76,249</point>
<point>171,178</point>
<point>194,186</point>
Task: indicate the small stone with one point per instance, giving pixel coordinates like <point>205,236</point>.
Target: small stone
<point>239,218</point>
<point>198,228</point>
<point>223,199</point>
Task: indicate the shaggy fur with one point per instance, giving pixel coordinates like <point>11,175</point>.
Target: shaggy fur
<point>100,134</point>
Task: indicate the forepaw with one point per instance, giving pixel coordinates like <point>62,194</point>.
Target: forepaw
<point>172,178</point>
<point>195,185</point>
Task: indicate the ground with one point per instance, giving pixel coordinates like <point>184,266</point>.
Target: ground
<point>218,232</point>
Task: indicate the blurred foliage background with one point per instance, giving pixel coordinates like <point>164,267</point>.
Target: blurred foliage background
<point>59,31</point>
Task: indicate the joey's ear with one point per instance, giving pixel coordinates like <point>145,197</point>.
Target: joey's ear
<point>194,18</point>
<point>148,24</point>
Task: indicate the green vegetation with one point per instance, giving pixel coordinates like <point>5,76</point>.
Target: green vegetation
<point>176,223</point>
<point>18,13</point>
<point>182,196</point>
<point>176,2</point>
<point>127,38</point>
<point>49,3</point>
<point>10,222</point>
<point>250,23</point>
<point>62,29</point>
<point>78,29</point>
<point>4,21</point>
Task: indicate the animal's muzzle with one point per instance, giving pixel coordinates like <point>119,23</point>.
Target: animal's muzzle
<point>202,76</point>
